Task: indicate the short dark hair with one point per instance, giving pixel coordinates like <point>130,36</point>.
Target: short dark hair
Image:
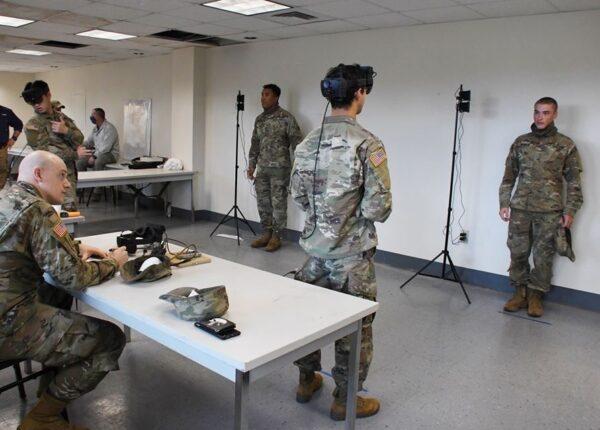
<point>547,101</point>
<point>351,73</point>
<point>41,85</point>
<point>100,112</point>
<point>276,90</point>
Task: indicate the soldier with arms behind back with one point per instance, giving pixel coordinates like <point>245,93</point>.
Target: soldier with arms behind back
<point>341,181</point>
<point>35,244</point>
<point>543,161</point>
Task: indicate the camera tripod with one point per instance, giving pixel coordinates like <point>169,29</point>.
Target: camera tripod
<point>463,100</point>
<point>235,208</point>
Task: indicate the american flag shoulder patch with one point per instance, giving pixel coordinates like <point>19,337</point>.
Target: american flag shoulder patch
<point>378,157</point>
<point>60,230</point>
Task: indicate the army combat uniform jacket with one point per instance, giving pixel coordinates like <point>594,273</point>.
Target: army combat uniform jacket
<point>351,193</point>
<point>540,160</point>
<point>33,240</point>
<point>275,134</point>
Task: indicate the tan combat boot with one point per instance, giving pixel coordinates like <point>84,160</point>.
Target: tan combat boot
<point>535,308</point>
<point>274,244</point>
<point>263,240</point>
<point>309,385</point>
<point>365,407</point>
<point>518,300</point>
<point>45,415</point>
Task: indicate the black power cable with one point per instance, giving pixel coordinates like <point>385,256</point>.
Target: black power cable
<point>315,173</point>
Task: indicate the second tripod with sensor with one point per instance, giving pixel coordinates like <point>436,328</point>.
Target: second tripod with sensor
<point>235,208</point>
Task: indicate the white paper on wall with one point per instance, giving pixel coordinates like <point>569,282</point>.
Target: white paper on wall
<point>137,126</point>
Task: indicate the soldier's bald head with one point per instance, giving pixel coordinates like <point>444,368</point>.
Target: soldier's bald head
<point>38,159</point>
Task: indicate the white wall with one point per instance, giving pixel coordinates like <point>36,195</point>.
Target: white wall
<point>109,86</point>
<point>507,63</point>
<point>11,85</point>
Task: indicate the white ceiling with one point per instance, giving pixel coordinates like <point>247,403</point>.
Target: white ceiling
<point>62,19</point>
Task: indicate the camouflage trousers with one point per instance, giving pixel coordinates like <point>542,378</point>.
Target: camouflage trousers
<point>354,275</point>
<point>3,166</point>
<point>271,186</point>
<point>527,232</point>
<point>70,202</point>
<point>80,348</point>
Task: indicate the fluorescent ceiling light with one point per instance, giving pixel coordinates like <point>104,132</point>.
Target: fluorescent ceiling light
<point>246,7</point>
<point>13,22</point>
<point>27,52</point>
<point>101,34</point>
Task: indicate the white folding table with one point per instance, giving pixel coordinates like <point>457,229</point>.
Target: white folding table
<point>130,177</point>
<point>281,320</point>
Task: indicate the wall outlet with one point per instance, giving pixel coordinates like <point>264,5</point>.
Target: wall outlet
<point>464,236</point>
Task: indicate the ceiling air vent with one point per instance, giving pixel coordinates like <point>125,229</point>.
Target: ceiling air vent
<point>59,44</point>
<point>296,15</point>
<point>200,39</point>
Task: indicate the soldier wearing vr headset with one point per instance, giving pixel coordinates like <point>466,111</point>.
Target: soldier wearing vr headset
<point>50,130</point>
<point>341,180</point>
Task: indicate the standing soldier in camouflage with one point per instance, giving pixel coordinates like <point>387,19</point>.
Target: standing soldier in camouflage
<point>35,244</point>
<point>275,134</point>
<point>341,181</point>
<point>52,131</point>
<point>543,160</point>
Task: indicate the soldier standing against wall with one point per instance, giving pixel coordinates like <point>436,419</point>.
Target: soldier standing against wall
<point>340,179</point>
<point>543,160</point>
<point>275,134</point>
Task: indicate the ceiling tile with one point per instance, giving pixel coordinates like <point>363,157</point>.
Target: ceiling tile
<point>201,13</point>
<point>103,10</point>
<point>210,29</point>
<point>347,9</point>
<point>250,24</point>
<point>334,26</point>
<point>390,19</point>
<point>284,20</point>
<point>75,19</point>
<point>254,37</point>
<point>54,4</point>
<point>167,21</point>
<point>41,26</point>
<point>402,5</point>
<point>24,12</point>
<point>443,14</point>
<point>134,28</point>
<point>573,5</point>
<point>513,8</point>
<point>148,5</point>
<point>291,31</point>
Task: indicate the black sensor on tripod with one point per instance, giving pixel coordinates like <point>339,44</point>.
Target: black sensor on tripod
<point>240,101</point>
<point>464,100</point>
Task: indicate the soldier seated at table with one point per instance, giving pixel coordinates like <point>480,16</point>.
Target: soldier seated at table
<point>34,243</point>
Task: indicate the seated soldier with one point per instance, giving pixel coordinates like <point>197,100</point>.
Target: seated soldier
<point>33,241</point>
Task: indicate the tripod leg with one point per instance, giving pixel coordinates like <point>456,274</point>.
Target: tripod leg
<point>422,269</point>
<point>222,221</point>
<point>237,225</point>
<point>455,272</point>
<point>246,221</point>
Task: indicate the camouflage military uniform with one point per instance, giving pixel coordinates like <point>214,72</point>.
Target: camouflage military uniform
<point>40,136</point>
<point>276,132</point>
<point>33,240</point>
<point>352,192</point>
<point>542,160</point>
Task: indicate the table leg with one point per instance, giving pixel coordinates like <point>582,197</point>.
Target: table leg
<point>28,369</point>
<point>135,205</point>
<point>192,200</point>
<point>353,366</point>
<point>127,331</point>
<point>242,389</point>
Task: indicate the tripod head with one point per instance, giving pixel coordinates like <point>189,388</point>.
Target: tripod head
<point>463,100</point>
<point>240,101</point>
